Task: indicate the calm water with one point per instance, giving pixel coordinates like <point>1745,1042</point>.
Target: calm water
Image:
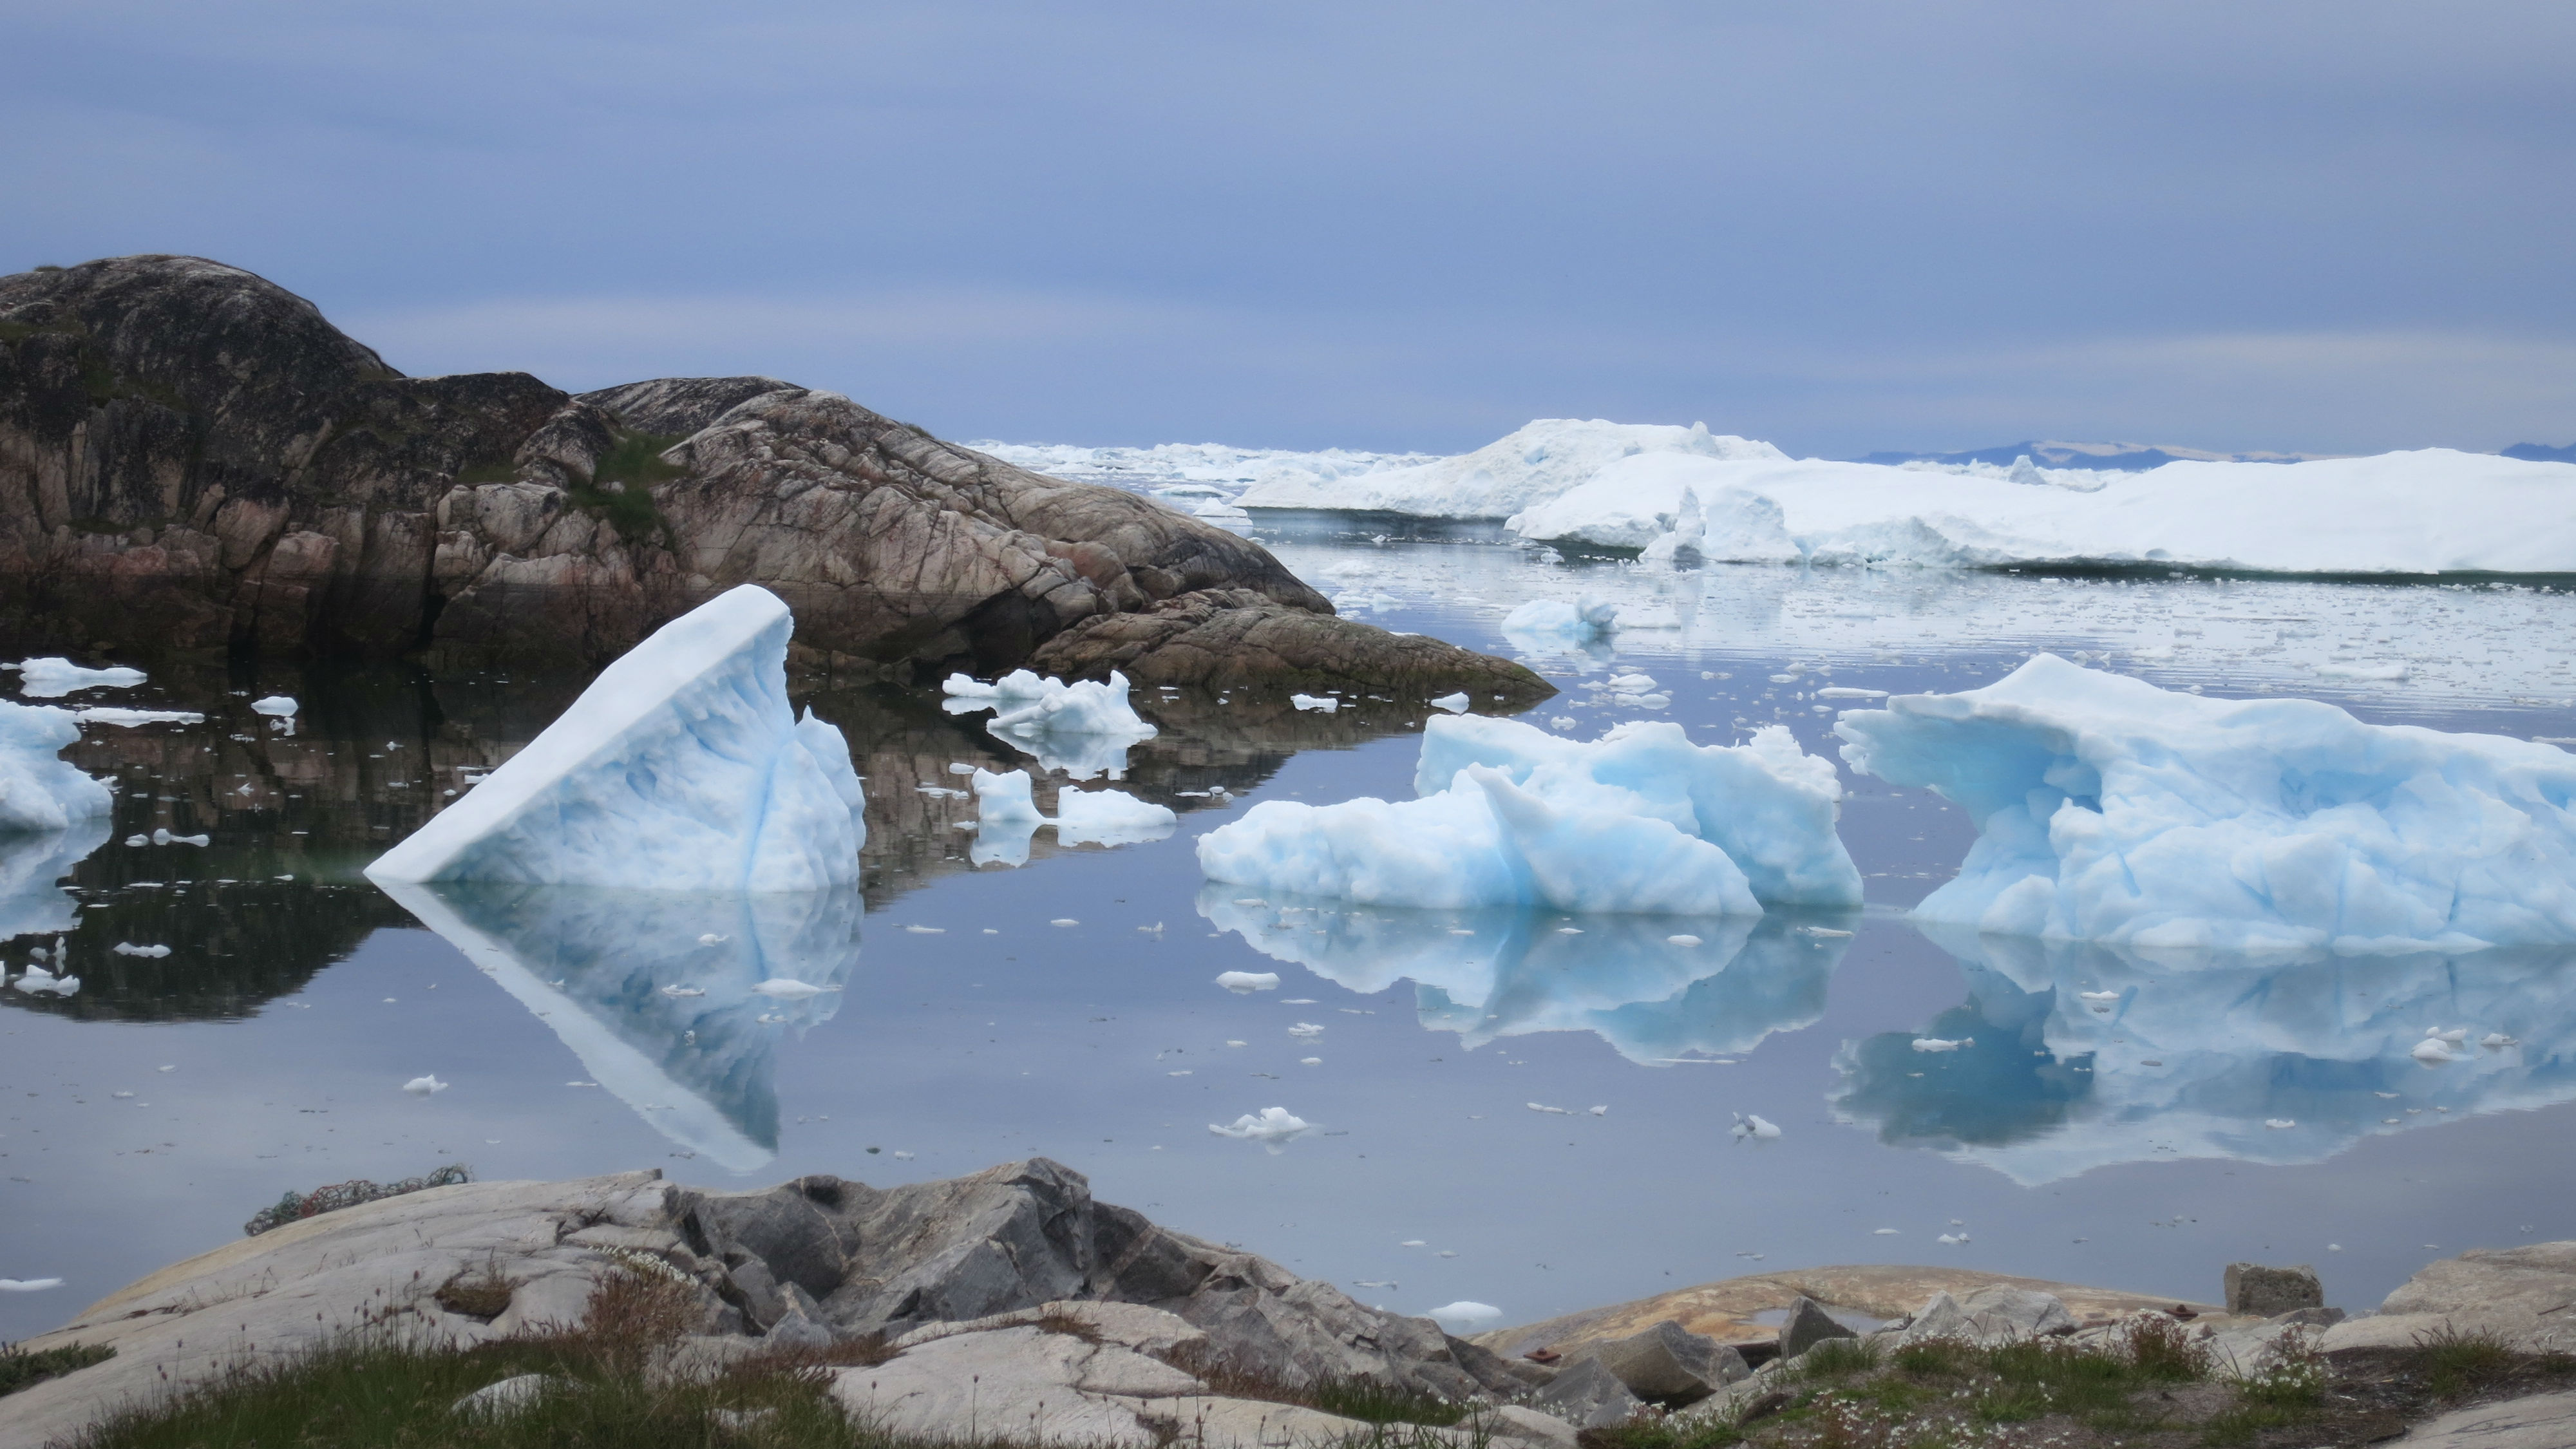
<point>963,1024</point>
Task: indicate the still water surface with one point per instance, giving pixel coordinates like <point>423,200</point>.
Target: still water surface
<point>1067,1006</point>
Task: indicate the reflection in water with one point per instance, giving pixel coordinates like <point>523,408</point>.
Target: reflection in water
<point>2086,1054</point>
<point>1659,989</point>
<point>30,901</point>
<point>673,1001</point>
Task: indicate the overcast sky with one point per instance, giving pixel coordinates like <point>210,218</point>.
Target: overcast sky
<point>2336,225</point>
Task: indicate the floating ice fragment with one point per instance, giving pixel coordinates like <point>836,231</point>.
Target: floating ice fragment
<point>1684,939</point>
<point>1317,703</point>
<point>1507,814</point>
<point>2099,998</point>
<point>1109,817</point>
<point>1464,1311</point>
<point>2496,1039</point>
<point>1844,691</point>
<point>129,718</point>
<point>1084,727</point>
<point>1271,1126</point>
<point>1954,1238</point>
<point>1559,1111</point>
<point>423,1086</point>
<point>710,938</point>
<point>1546,619</point>
<point>1824,933</point>
<point>2432,1051</point>
<point>1246,981</point>
<point>1064,921</point>
<point>1600,1111</point>
<point>1305,1030</point>
<point>1310,1061</point>
<point>52,678</point>
<point>1937,1044</point>
<point>1454,703</point>
<point>927,930</point>
<point>28,1285</point>
<point>278,705</point>
<point>164,837</point>
<point>1748,1124</point>
<point>681,767</point>
<point>783,988</point>
<point>2111,810</point>
<point>1882,1232</point>
<point>2279,1124</point>
<point>677,993</point>
<point>38,790</point>
<point>128,948</point>
<point>1413,1243</point>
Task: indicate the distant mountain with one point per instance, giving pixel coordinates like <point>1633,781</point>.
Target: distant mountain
<point>2125,457</point>
<point>2542,453</point>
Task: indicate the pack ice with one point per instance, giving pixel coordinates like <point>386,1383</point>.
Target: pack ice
<point>2428,511</point>
<point>681,768</point>
<point>1083,728</point>
<point>39,790</point>
<point>1007,816</point>
<point>2110,810</point>
<point>1639,820</point>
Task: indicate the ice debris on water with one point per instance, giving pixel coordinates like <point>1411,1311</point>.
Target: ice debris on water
<point>1271,1126</point>
<point>128,948</point>
<point>1083,727</point>
<point>278,705</point>
<point>28,1285</point>
<point>39,791</point>
<point>1316,703</point>
<point>424,1086</point>
<point>2110,810</point>
<point>52,678</point>
<point>1638,820</point>
<point>129,718</point>
<point>37,981</point>
<point>1543,621</point>
<point>681,767</point>
<point>1464,1311</point>
<point>1938,1044</point>
<point>1454,703</point>
<point>1007,815</point>
<point>1748,1124</point>
<point>1245,981</point>
<point>786,988</point>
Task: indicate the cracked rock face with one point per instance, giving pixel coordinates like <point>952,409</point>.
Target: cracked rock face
<point>193,460</point>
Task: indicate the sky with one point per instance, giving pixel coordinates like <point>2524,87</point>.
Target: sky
<point>2316,225</point>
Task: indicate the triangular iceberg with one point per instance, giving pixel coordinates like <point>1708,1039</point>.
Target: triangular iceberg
<point>682,767</point>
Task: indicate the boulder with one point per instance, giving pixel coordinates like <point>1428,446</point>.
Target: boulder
<point>1997,1313</point>
<point>2524,1296</point>
<point>2261,1292</point>
<point>1587,1395</point>
<point>1670,1365</point>
<point>194,461</point>
<point>1231,638</point>
<point>2540,1421</point>
<point>1808,1324</point>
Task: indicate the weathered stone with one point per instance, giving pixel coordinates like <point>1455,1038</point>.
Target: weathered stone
<point>1587,1395</point>
<point>193,460</point>
<point>1999,1312</point>
<point>2541,1421</point>
<point>1809,1324</point>
<point>1231,638</point>
<point>2310,1317</point>
<point>1022,1384</point>
<point>1519,1421</point>
<point>2261,1292</point>
<point>1670,1365</point>
<point>2524,1296</point>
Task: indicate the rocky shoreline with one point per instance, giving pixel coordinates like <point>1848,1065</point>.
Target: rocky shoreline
<point>1012,1298</point>
<point>194,462</point>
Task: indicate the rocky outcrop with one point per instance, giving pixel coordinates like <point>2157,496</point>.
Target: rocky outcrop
<point>1233,637</point>
<point>2524,1297</point>
<point>192,460</point>
<point>1086,1302</point>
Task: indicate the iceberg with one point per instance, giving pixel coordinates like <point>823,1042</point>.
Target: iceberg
<point>1006,818</point>
<point>1531,465</point>
<point>672,1001</point>
<point>1109,817</point>
<point>54,678</point>
<point>1545,619</point>
<point>2110,810</point>
<point>1659,997</point>
<point>1641,820</point>
<point>2430,511</point>
<point>39,790</point>
<point>1083,728</point>
<point>681,768</point>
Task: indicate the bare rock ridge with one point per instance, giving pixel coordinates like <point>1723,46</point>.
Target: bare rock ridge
<point>193,460</point>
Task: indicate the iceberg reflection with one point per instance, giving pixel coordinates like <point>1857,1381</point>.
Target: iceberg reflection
<point>2088,1054</point>
<point>31,903</point>
<point>1658,989</point>
<point>672,1000</point>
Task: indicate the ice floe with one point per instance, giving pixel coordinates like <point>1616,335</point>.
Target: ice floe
<point>54,678</point>
<point>1272,1127</point>
<point>1541,620</point>
<point>1641,820</point>
<point>1083,728</point>
<point>2110,810</point>
<point>2428,511</point>
<point>682,767</point>
<point>1531,465</point>
<point>1007,816</point>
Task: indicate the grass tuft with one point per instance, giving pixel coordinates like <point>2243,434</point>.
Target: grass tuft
<point>2455,1363</point>
<point>22,1369</point>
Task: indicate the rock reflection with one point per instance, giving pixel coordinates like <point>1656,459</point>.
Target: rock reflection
<point>1658,989</point>
<point>672,1001</point>
<point>2086,1054</point>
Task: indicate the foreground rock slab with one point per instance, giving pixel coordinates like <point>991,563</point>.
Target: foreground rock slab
<point>2525,1296</point>
<point>2542,1421</point>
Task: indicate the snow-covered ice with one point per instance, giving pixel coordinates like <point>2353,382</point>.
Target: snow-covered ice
<point>1007,817</point>
<point>1543,620</point>
<point>2429,511</point>
<point>682,767</point>
<point>1198,478</point>
<point>1529,466</point>
<point>54,678</point>
<point>40,791</point>
<point>1082,728</point>
<point>1641,820</point>
<point>1109,817</point>
<point>1271,1127</point>
<point>2108,809</point>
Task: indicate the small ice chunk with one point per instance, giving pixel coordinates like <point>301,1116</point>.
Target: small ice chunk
<point>1454,703</point>
<point>1064,921</point>
<point>2432,1051</point>
<point>128,948</point>
<point>1305,1031</point>
<point>1938,1044</point>
<point>1463,1312</point>
<point>1883,1232</point>
<point>1248,981</point>
<point>28,1285</point>
<point>1749,1124</point>
<point>52,678</point>
<point>927,930</point>
<point>1541,1107</point>
<point>1109,817</point>
<point>1542,620</point>
<point>2279,1124</point>
<point>1318,703</point>
<point>1270,1126</point>
<point>129,718</point>
<point>1844,691</point>
<point>1683,939</point>
<point>786,988</point>
<point>423,1086</point>
<point>279,705</point>
<point>2099,998</point>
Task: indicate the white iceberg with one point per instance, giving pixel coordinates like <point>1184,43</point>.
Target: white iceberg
<point>2429,511</point>
<point>681,768</point>
<point>1641,820</point>
<point>1542,620</point>
<point>1109,817</point>
<point>1270,1127</point>
<point>40,791</point>
<point>54,678</point>
<point>1083,728</point>
<point>2110,810</point>
<point>1007,817</point>
<point>1530,466</point>
<point>280,705</point>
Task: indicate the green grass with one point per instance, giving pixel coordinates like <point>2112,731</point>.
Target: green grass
<point>21,1369</point>
<point>1837,1358</point>
<point>637,459</point>
<point>2455,1363</point>
<point>1661,1431</point>
<point>620,489</point>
